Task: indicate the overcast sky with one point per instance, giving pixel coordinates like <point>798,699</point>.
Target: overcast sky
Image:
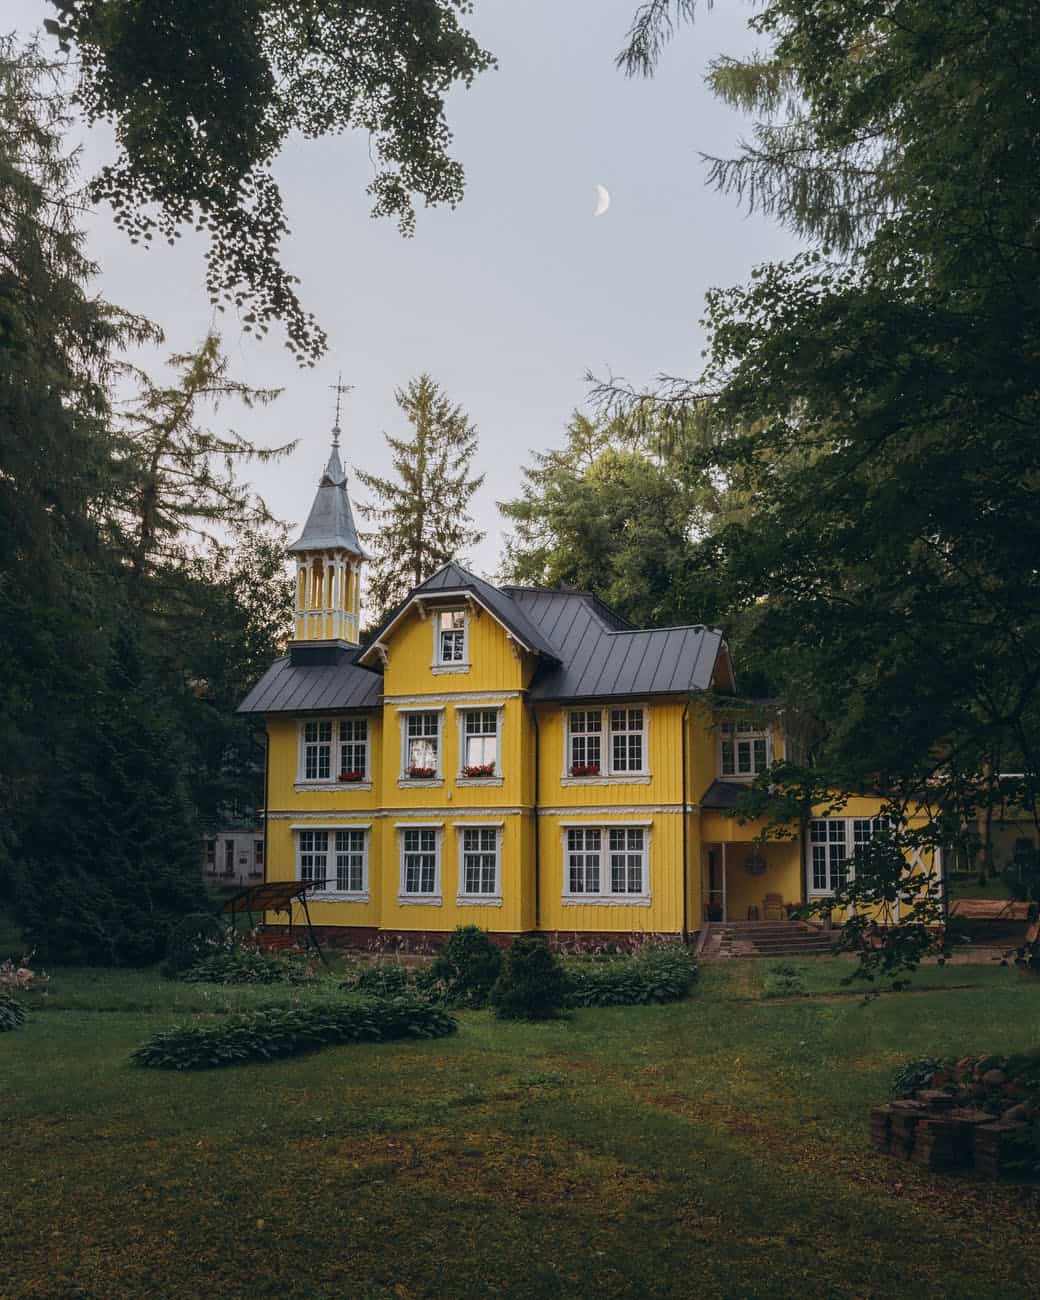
<point>509,299</point>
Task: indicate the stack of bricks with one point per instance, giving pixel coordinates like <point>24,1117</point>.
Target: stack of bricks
<point>931,1130</point>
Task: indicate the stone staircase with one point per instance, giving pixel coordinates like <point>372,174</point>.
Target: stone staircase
<point>725,939</point>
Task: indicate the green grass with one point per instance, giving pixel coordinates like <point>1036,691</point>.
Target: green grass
<point>968,887</point>
<point>715,1147</point>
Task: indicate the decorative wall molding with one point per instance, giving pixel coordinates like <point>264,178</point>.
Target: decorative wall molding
<point>313,819</point>
<point>462,697</point>
<point>610,810</point>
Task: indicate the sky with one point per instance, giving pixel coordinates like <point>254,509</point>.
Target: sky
<point>509,299</point>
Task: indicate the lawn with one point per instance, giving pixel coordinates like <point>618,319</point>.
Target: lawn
<point>711,1148</point>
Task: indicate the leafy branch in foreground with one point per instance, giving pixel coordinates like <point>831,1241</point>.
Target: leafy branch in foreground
<point>202,98</point>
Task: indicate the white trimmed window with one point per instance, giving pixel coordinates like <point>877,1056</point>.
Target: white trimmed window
<point>608,863</point>
<point>422,744</point>
<point>585,727</point>
<point>420,863</point>
<point>607,742</point>
<point>479,864</point>
<point>480,743</point>
<point>627,740</point>
<point>351,862</point>
<point>584,860</point>
<point>450,649</point>
<point>743,750</point>
<point>353,749</point>
<point>627,847</point>
<point>833,844</point>
<point>313,857</point>
<point>317,750</point>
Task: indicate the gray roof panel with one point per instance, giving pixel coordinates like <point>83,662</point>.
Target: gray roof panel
<point>313,688</point>
<point>330,524</point>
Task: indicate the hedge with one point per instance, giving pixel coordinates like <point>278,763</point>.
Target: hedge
<point>274,1032</point>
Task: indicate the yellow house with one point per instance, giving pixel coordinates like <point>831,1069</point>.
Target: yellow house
<point>512,757</point>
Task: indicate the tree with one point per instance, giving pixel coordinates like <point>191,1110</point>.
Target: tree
<point>422,517</point>
<point>202,98</point>
<point>606,515</point>
<point>892,581</point>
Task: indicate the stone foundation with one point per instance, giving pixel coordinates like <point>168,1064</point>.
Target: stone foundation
<point>372,940</point>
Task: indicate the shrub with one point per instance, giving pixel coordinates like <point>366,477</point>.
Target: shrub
<point>380,981</point>
<point>466,968</point>
<point>657,972</point>
<point>532,985</point>
<point>783,981</point>
<point>237,966</point>
<point>12,1013</point>
<point>274,1032</point>
<point>915,1074</point>
<point>189,940</point>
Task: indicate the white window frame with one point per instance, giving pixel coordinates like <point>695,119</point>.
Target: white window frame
<point>729,734</point>
<point>606,897</point>
<point>332,781</point>
<point>465,898</point>
<point>853,835</point>
<point>404,898</point>
<point>332,894</point>
<point>461,713</point>
<point>608,774</point>
<point>404,780</point>
<point>440,664</point>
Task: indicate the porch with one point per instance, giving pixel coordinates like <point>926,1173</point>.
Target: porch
<point>747,882</point>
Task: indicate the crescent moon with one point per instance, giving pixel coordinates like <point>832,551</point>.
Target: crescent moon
<point>602,200</point>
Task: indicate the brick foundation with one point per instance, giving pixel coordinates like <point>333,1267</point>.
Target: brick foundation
<point>371,939</point>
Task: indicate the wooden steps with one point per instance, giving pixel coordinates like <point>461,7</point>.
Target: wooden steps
<point>729,939</point>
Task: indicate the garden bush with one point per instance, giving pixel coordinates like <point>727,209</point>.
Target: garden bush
<point>189,940</point>
<point>657,972</point>
<point>274,1032</point>
<point>12,1013</point>
<point>237,966</point>
<point>466,968</point>
<point>380,981</point>
<point>532,985</point>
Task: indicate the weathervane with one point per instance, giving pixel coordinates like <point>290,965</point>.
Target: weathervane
<point>339,388</point>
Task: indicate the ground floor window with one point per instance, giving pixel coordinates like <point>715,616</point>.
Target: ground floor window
<point>833,844</point>
<point>479,869</point>
<point>314,857</point>
<point>351,862</point>
<point>606,862</point>
<point>420,864</point>
<point>335,861</point>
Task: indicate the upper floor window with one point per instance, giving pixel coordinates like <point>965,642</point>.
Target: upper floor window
<point>608,742</point>
<point>334,750</point>
<point>422,741</point>
<point>451,638</point>
<point>353,749</point>
<point>743,749</point>
<point>480,742</point>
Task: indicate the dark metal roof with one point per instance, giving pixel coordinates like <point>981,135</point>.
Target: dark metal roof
<point>452,577</point>
<point>286,688</point>
<point>722,794</point>
<point>597,660</point>
<point>586,652</point>
<point>330,524</point>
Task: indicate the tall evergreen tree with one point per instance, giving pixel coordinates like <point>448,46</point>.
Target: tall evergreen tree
<point>421,517</point>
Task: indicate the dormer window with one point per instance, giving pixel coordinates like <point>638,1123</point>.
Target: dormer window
<point>450,649</point>
<point>743,750</point>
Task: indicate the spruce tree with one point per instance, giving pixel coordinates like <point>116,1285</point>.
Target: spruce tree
<point>421,516</point>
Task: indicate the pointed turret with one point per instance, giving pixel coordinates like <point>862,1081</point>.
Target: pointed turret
<point>329,556</point>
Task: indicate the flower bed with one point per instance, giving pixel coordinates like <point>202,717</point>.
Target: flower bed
<point>421,773</point>
<point>479,769</point>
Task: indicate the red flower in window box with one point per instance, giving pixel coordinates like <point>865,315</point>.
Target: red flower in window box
<point>479,769</point>
<point>585,769</point>
<point>421,773</point>
<point>352,776</point>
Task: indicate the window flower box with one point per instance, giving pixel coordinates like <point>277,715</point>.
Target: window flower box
<point>420,773</point>
<point>479,769</point>
<point>585,769</point>
<point>352,776</point>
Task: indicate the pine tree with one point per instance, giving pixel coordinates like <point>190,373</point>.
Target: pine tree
<point>421,517</point>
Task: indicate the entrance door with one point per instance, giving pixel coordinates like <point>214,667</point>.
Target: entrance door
<point>715,892</point>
